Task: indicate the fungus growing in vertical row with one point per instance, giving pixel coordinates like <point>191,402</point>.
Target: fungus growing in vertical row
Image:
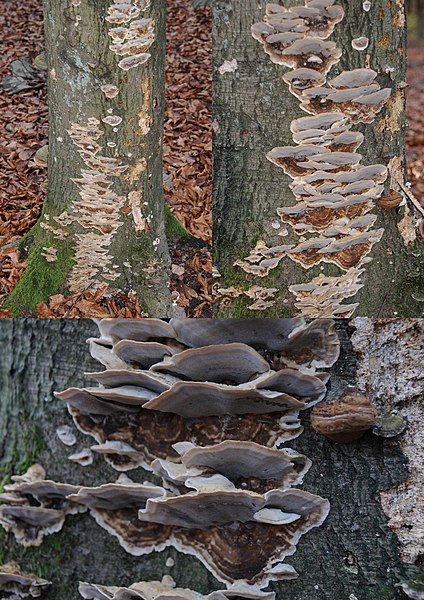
<point>15,583</point>
<point>132,37</point>
<point>98,210</point>
<point>335,192</point>
<point>198,403</point>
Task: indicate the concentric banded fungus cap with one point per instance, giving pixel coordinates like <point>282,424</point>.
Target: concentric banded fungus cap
<point>307,388</point>
<point>258,333</point>
<point>344,420</point>
<point>113,496</point>
<point>200,399</point>
<point>314,344</point>
<point>13,580</point>
<point>218,508</point>
<point>156,382</point>
<point>141,354</point>
<point>240,460</point>
<point>139,330</point>
<point>353,79</point>
<point>120,455</point>
<point>311,53</point>
<point>87,403</point>
<point>235,363</point>
<point>45,491</point>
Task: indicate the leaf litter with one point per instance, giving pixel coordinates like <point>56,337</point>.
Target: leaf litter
<point>187,158</point>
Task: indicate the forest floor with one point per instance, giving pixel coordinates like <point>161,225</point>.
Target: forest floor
<point>415,116</point>
<point>187,159</point>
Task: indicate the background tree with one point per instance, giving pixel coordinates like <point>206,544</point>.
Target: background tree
<point>253,110</point>
<point>354,554</point>
<point>103,219</point>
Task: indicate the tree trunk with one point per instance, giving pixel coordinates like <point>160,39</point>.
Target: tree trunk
<point>353,555</point>
<point>103,220</point>
<point>253,110</point>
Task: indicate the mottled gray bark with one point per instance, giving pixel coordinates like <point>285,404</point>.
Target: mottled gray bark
<point>79,63</point>
<point>353,555</point>
<point>253,109</point>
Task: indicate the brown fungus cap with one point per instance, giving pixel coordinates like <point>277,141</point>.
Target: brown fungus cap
<point>302,79</point>
<point>319,215</point>
<point>344,420</point>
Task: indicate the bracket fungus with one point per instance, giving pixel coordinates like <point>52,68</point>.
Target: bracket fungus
<point>98,210</point>
<point>334,190</point>
<point>344,420</point>
<point>132,37</point>
<point>167,590</point>
<point>200,392</point>
<point>227,495</point>
<point>34,507</point>
<point>204,404</point>
<point>246,465</point>
<point>15,583</point>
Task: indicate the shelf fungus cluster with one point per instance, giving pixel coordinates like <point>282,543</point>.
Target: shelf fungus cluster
<point>204,405</point>
<point>98,211</point>
<point>335,194</point>
<point>132,36</point>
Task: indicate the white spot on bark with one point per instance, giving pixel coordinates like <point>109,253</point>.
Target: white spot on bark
<point>360,43</point>
<point>228,66</point>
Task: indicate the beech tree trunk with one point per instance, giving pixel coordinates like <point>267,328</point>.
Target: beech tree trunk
<point>253,110</point>
<point>353,555</point>
<point>85,241</point>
